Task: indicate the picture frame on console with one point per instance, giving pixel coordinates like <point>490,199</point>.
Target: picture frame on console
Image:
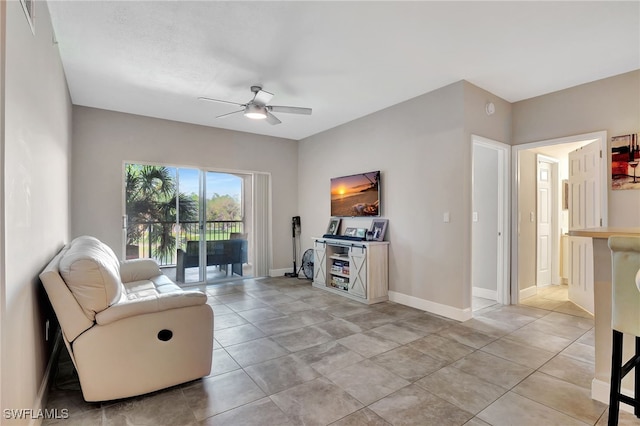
<point>334,225</point>
<point>351,232</point>
<point>378,229</point>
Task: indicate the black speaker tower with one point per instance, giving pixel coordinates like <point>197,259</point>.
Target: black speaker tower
<point>295,224</point>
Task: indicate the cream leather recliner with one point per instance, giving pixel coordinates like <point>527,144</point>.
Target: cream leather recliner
<point>128,328</point>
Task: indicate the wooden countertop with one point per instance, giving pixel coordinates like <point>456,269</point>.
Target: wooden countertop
<point>605,232</point>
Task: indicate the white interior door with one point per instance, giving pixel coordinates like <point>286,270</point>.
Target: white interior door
<point>585,175</point>
<point>490,220</point>
<point>545,222</point>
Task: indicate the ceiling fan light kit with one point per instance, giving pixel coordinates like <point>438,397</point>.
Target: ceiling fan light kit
<point>257,108</point>
<point>256,112</point>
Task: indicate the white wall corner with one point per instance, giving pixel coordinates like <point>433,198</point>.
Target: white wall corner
<point>528,292</point>
<point>484,293</point>
<point>431,307</point>
<point>41,398</point>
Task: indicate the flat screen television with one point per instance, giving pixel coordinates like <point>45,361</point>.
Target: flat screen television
<point>356,195</point>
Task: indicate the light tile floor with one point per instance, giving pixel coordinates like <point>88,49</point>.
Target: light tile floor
<point>288,354</point>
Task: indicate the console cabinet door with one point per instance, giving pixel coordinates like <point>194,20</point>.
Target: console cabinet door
<point>320,262</point>
<point>358,271</point>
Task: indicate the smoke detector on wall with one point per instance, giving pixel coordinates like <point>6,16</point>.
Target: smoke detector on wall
<point>490,108</point>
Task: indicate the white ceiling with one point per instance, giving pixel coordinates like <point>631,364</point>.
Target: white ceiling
<point>343,59</point>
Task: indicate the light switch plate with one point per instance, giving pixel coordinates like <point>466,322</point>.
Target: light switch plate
<point>447,217</point>
<point>475,216</point>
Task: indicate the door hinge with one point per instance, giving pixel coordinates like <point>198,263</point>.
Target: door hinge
<point>600,221</point>
<point>600,153</point>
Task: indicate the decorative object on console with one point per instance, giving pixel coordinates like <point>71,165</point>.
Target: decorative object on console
<point>361,232</point>
<point>625,157</point>
<point>351,232</point>
<point>334,225</point>
<point>378,228</point>
<point>356,195</point>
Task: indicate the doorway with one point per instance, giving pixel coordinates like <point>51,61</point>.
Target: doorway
<point>526,253</point>
<point>490,223</point>
<point>197,224</point>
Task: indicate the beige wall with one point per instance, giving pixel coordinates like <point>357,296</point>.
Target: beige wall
<point>37,140</point>
<point>485,231</point>
<point>3,43</point>
<point>104,140</point>
<point>423,149</point>
<point>611,104</point>
<point>496,127</point>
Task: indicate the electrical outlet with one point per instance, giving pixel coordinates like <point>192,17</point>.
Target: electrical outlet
<point>447,217</point>
<point>475,216</point>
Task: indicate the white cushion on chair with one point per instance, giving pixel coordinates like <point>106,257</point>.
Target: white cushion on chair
<point>92,272</point>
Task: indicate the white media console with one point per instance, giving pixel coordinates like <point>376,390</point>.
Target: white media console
<point>358,270</point>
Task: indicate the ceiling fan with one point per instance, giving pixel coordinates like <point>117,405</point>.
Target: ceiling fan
<point>258,109</point>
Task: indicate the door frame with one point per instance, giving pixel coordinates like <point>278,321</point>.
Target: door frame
<point>504,166</point>
<point>515,187</point>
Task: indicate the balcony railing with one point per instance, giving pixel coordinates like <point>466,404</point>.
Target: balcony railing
<point>147,241</point>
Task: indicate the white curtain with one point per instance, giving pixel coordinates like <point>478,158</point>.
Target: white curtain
<point>262,223</point>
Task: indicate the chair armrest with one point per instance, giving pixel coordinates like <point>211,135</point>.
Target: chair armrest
<point>138,270</point>
<point>150,304</point>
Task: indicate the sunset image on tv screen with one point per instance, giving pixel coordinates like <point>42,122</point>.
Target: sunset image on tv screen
<point>356,195</point>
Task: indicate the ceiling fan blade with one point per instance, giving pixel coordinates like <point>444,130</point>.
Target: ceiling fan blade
<point>230,113</point>
<point>221,101</point>
<point>272,119</point>
<point>262,98</point>
<point>290,109</point>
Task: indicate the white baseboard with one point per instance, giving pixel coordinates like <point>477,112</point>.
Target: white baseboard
<point>600,392</point>
<point>279,272</point>
<point>485,293</point>
<point>432,307</point>
<point>528,292</point>
<point>41,398</point>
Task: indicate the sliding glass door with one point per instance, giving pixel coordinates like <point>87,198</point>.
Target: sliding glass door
<point>193,222</point>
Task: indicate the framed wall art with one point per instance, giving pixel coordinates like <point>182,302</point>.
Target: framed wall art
<point>625,157</point>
